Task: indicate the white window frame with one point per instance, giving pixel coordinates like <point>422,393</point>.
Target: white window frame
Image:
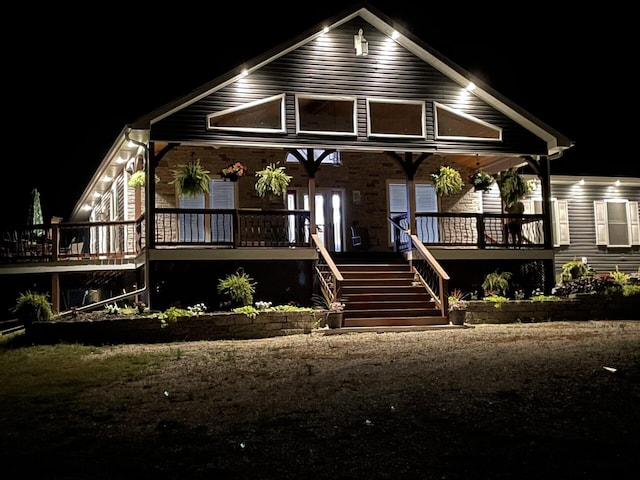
<point>336,98</point>
<point>419,103</point>
<point>602,222</point>
<point>401,184</point>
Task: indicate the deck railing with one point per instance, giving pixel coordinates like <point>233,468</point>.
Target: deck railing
<point>477,230</point>
<point>121,240</point>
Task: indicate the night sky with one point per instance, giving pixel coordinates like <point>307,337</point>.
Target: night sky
<point>72,84</point>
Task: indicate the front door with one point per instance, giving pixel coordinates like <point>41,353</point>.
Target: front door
<point>329,217</point>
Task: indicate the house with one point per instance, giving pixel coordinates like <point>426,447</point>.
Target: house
<point>361,113</point>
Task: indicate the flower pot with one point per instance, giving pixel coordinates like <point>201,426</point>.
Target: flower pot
<point>231,177</point>
<point>457,317</point>
<point>334,319</point>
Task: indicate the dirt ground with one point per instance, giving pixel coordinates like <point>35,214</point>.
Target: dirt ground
<point>519,401</point>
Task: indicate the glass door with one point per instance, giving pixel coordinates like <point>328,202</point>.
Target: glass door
<point>329,217</point>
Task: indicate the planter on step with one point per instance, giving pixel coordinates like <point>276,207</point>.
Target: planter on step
<point>334,319</point>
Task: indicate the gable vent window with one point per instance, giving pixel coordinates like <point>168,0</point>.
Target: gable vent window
<point>265,116</point>
<point>454,125</point>
<point>395,118</point>
<point>326,115</point>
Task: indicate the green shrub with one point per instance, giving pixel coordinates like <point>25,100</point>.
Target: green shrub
<point>497,283</point>
<point>238,287</point>
<point>33,307</point>
<point>574,270</point>
<point>497,300</point>
<point>620,277</point>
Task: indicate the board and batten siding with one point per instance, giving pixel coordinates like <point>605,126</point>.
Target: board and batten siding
<point>582,226</point>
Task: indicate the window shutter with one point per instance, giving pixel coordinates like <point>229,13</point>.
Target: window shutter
<point>563,222</point>
<point>600,215</point>
<point>635,223</point>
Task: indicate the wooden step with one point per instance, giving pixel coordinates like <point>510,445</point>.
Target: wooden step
<point>394,321</point>
<point>383,294</point>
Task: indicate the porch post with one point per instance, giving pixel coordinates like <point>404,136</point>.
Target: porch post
<point>311,186</point>
<point>55,292</point>
<point>545,183</point>
<point>411,202</point>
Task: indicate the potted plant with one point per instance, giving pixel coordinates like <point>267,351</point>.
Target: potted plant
<point>272,181</point>
<point>482,181</point>
<point>137,179</point>
<point>513,186</point>
<point>32,307</point>
<point>497,283</point>
<point>457,307</point>
<point>191,179</point>
<point>335,310</point>
<point>233,172</point>
<point>447,181</point>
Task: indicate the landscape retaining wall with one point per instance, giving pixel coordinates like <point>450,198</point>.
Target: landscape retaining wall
<point>231,326</point>
<point>140,329</point>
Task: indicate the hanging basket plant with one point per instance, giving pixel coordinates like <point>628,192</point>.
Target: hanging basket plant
<point>482,181</point>
<point>137,179</point>
<point>447,181</point>
<point>513,186</point>
<point>191,179</point>
<point>233,172</point>
<point>272,181</point>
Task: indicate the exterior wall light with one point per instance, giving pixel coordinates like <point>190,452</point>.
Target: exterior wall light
<point>361,45</point>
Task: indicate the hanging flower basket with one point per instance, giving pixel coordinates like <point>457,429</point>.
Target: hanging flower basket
<point>233,172</point>
<point>482,181</point>
<point>447,181</point>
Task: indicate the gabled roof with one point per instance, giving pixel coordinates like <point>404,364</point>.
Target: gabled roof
<point>556,142</point>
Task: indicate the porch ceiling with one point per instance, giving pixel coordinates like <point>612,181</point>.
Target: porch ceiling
<point>488,163</point>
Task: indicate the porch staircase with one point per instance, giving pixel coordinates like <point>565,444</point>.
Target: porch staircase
<point>381,294</point>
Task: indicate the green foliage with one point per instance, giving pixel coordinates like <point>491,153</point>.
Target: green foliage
<point>137,179</point>
<point>545,298</point>
<point>248,310</point>
<point>447,181</point>
<point>191,179</point>
<point>574,270</point>
<point>620,277</point>
<point>171,314</point>
<point>33,307</point>
<point>513,186</point>
<point>497,300</point>
<point>630,290</point>
<point>482,181</point>
<point>272,180</point>
<point>239,287</point>
<point>497,283</point>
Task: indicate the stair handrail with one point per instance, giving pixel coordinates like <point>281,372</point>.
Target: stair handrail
<point>330,279</point>
<point>442,295</point>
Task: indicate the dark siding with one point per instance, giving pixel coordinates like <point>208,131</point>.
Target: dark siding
<point>582,228</point>
<point>328,65</point>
